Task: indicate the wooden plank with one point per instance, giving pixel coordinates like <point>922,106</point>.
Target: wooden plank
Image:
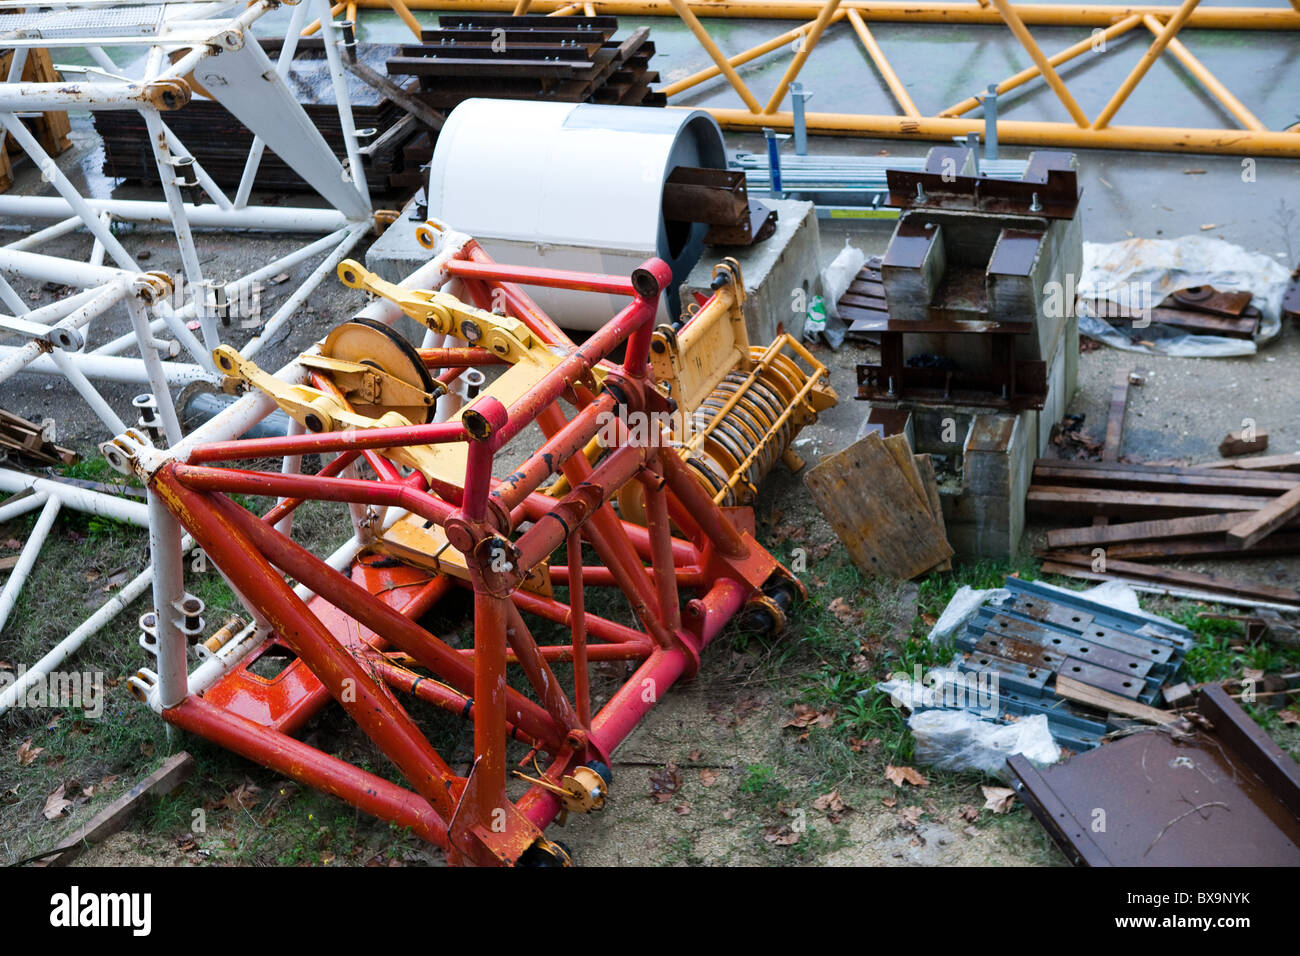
<point>1048,472</point>
<point>113,817</point>
<point>1239,443</point>
<point>1228,471</point>
<point>925,465</point>
<point>1104,700</point>
<point>1265,521</point>
<point>1279,542</point>
<point>873,508</point>
<point>376,80</point>
<point>1144,530</point>
<point>1287,462</point>
<point>1089,501</point>
<point>1189,580</point>
<point>1115,419</point>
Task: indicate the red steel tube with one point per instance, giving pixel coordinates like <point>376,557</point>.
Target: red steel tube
<point>250,573</point>
<point>570,440</point>
<point>351,440</point>
<point>578,607</point>
<point>365,791</point>
<point>352,490</point>
<point>288,505</point>
<point>521,305</point>
<point>546,278</point>
<point>639,315</point>
<point>601,628</point>
<point>598,576</point>
<point>538,671</point>
<point>355,601</point>
<point>459,357</point>
<point>636,697</point>
<point>571,511</point>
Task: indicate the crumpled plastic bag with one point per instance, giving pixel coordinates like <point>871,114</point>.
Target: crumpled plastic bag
<point>839,275</point>
<point>961,609</point>
<point>959,740</point>
<point>1139,273</point>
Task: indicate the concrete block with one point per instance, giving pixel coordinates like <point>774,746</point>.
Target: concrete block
<point>913,266</point>
<point>971,542</point>
<point>774,270</point>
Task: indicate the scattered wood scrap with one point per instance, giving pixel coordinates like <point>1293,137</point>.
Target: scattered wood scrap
<point>113,817</point>
<point>1159,512</point>
<point>50,128</point>
<point>877,499</point>
<point>27,439</point>
<point>1243,442</point>
<point>1286,462</point>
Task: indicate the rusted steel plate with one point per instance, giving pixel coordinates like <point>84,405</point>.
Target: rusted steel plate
<point>1226,797</point>
<point>1058,645</point>
<point>1102,677</point>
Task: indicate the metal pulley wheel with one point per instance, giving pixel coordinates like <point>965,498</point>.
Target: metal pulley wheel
<point>372,343</point>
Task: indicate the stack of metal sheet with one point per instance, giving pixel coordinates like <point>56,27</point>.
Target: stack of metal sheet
<point>1042,633</point>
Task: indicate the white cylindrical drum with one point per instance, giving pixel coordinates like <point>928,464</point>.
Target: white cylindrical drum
<point>572,186</point>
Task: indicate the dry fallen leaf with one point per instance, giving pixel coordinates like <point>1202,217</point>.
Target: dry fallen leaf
<point>901,775</point>
<point>890,802</point>
<point>969,813</point>
<point>844,612</point>
<point>27,753</point>
<point>998,799</point>
<point>708,777</point>
<point>806,716</point>
<point>833,805</point>
<point>781,836</point>
<point>56,804</point>
<point>682,809</point>
<point>830,801</point>
<point>911,817</point>
<point>245,795</point>
<point>664,783</point>
<point>695,756</point>
<point>1209,225</point>
<point>1289,717</point>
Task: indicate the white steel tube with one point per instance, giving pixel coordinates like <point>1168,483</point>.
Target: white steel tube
<point>17,505</point>
<point>70,644</point>
<point>51,172</point>
<point>290,305</point>
<point>45,97</point>
<point>157,374</point>
<point>37,265</point>
<point>79,499</point>
<point>168,588</point>
<point>180,224</point>
<point>27,558</point>
<point>77,378</point>
<point>24,354</point>
<point>269,218</point>
<point>30,241</point>
<point>330,39</point>
<point>114,368</point>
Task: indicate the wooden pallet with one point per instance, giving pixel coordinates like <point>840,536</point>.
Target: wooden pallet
<point>50,129</point>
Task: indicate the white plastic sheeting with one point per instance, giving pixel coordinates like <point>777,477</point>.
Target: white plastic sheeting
<point>1138,273</point>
